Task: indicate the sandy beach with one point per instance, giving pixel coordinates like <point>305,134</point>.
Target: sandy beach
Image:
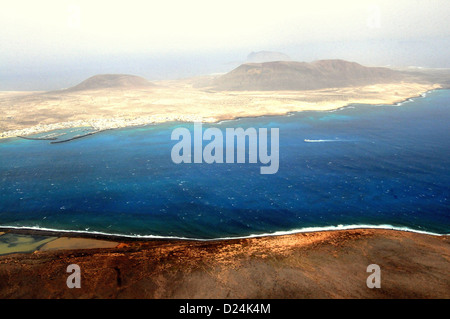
<point>328,264</point>
<point>25,114</point>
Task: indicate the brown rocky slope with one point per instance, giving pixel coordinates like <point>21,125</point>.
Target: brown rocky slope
<point>330,264</point>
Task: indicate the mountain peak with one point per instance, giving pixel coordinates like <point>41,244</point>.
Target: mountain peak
<point>112,81</point>
<point>291,75</point>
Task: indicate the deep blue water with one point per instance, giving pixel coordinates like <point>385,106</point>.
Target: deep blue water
<point>377,165</point>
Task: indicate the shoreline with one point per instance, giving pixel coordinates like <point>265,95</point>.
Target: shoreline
<point>33,231</point>
<point>100,125</point>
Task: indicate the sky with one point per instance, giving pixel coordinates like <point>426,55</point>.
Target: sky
<point>54,44</point>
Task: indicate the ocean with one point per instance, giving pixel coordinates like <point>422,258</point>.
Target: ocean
<point>381,166</point>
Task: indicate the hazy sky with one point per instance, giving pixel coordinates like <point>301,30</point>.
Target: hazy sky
<point>52,44</point>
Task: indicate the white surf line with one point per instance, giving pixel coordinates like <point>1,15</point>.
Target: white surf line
<point>412,99</point>
<point>276,233</point>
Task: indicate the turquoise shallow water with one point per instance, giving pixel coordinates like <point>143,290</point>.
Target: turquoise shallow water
<point>360,165</point>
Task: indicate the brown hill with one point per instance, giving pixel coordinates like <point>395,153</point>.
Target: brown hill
<point>288,75</point>
<point>112,81</point>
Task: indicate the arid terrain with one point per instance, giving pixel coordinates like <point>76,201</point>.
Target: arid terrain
<point>331,264</point>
